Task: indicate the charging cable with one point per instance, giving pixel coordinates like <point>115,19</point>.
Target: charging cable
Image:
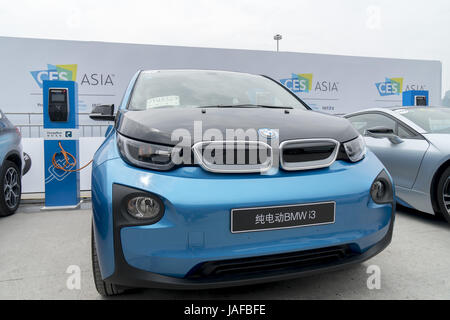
<point>68,163</point>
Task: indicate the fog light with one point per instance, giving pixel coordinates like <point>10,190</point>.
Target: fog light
<point>382,190</point>
<point>378,190</point>
<point>143,208</point>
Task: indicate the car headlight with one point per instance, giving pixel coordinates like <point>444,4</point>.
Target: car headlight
<point>355,149</point>
<point>145,155</point>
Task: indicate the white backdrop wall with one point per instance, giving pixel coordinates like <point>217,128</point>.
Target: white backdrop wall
<point>328,83</point>
<point>340,84</point>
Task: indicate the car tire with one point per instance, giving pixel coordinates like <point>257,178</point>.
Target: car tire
<point>443,194</point>
<point>103,288</point>
<point>11,187</point>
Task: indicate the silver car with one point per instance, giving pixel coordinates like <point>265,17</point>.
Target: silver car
<point>414,145</point>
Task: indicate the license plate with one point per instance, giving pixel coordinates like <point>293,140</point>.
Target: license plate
<point>282,217</point>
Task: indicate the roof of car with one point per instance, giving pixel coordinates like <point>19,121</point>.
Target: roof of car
<point>194,70</point>
<point>415,107</point>
<point>391,109</point>
<point>394,112</point>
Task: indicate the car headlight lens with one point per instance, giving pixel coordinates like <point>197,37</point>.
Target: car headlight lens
<point>355,149</point>
<point>146,155</point>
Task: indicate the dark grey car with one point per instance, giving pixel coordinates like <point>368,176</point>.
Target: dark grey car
<point>11,160</point>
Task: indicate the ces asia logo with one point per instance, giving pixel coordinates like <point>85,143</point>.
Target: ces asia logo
<point>303,82</point>
<point>67,72</point>
<point>392,86</point>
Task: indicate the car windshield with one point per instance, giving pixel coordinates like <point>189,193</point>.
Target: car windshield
<point>432,120</point>
<point>190,89</point>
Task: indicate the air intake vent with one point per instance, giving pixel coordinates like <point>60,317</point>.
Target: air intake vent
<point>288,262</point>
<point>308,154</point>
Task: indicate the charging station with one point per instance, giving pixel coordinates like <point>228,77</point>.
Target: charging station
<point>415,98</point>
<point>61,147</point>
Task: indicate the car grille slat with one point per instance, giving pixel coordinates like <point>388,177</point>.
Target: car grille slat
<point>307,154</point>
<point>233,156</point>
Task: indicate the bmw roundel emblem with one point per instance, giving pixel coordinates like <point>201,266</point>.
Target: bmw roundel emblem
<point>267,133</point>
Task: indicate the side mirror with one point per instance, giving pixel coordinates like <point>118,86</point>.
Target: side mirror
<point>381,132</point>
<point>103,113</point>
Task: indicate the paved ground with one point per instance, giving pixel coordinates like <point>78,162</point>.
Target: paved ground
<point>36,248</point>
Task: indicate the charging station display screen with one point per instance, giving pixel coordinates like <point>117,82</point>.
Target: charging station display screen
<point>58,106</point>
<point>58,97</point>
<point>421,101</point>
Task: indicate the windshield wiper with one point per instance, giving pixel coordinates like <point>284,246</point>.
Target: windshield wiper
<point>274,107</point>
<point>245,106</point>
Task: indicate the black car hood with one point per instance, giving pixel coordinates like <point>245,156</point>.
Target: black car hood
<point>157,125</point>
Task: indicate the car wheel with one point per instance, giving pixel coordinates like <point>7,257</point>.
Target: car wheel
<point>443,195</point>
<point>103,288</point>
<point>11,187</point>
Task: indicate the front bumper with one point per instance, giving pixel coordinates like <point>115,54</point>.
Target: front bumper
<point>196,226</point>
<point>128,276</point>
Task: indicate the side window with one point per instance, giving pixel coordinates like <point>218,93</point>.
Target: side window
<point>405,133</point>
<point>363,122</point>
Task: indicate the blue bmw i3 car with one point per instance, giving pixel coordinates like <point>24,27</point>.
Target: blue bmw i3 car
<point>212,179</point>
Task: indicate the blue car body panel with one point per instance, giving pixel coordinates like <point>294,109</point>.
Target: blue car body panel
<point>196,224</point>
